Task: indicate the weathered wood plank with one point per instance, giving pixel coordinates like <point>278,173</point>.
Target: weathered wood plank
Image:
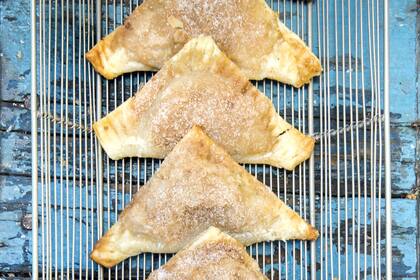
<point>15,221</point>
<point>402,44</point>
<point>17,160</point>
<point>15,54</point>
<point>404,232</point>
<point>15,117</point>
<point>15,243</point>
<point>15,153</point>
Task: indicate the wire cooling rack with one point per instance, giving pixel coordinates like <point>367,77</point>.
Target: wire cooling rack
<point>344,189</point>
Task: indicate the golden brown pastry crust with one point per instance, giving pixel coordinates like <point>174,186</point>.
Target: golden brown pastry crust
<point>248,31</point>
<point>198,185</point>
<point>214,255</point>
<point>200,85</point>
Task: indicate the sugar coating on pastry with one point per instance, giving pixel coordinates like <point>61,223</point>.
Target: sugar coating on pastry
<point>213,255</point>
<point>201,86</point>
<point>248,31</point>
<point>197,186</point>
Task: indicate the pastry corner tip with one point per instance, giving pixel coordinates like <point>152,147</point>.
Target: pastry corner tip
<point>308,69</point>
<point>108,251</point>
<point>304,64</point>
<point>197,130</point>
<point>113,133</point>
<point>309,145</point>
<point>202,48</point>
<point>95,57</point>
<point>95,126</point>
<point>100,129</point>
<point>92,54</point>
<point>196,135</point>
<point>97,256</point>
<point>293,147</point>
<point>211,232</point>
<point>312,233</point>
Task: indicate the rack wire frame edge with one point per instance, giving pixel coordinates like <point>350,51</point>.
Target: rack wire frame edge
<point>388,199</point>
<point>312,213</point>
<point>34,146</point>
<point>34,123</point>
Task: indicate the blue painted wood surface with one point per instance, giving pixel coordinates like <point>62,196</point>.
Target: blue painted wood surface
<point>15,168</point>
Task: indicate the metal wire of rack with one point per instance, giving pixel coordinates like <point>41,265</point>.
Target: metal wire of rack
<point>344,189</point>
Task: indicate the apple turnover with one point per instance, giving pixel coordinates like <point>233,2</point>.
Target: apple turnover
<point>197,186</point>
<point>214,255</point>
<point>248,31</point>
<point>201,86</point>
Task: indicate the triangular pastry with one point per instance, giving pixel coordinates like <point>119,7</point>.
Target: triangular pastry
<point>198,185</point>
<point>248,31</point>
<point>214,255</point>
<point>200,85</point>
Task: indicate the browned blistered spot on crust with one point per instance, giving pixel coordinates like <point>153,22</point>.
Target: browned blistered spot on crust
<point>128,25</point>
